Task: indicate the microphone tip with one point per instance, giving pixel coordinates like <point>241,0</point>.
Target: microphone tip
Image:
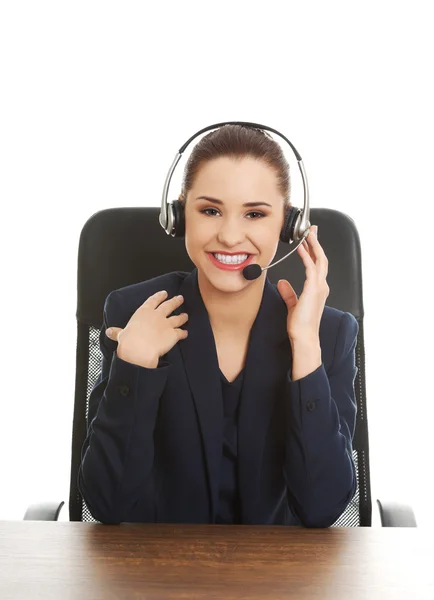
<point>252,272</point>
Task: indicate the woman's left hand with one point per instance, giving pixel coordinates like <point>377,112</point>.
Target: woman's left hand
<point>304,313</point>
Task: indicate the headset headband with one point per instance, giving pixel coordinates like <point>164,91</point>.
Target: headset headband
<point>166,216</point>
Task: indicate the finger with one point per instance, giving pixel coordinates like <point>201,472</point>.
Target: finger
<point>113,333</point>
<point>319,257</point>
<point>286,290</point>
<point>178,320</point>
<point>181,333</point>
<point>156,299</point>
<point>169,306</point>
<point>308,249</point>
<point>308,261</point>
<point>314,259</point>
<point>307,241</point>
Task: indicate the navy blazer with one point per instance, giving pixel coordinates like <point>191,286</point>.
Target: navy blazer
<point>153,448</point>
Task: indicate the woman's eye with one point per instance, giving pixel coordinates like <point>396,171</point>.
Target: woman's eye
<point>210,212</point>
<point>206,211</point>
<point>254,212</point>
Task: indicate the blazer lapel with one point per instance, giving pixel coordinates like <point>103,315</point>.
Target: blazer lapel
<point>199,354</point>
<point>268,359</point>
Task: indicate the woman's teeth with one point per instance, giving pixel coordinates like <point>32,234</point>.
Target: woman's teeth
<point>231,260</point>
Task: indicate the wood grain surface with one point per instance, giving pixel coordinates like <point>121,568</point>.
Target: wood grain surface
<point>68,561</point>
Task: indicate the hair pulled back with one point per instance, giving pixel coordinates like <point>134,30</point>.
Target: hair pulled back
<point>238,142</point>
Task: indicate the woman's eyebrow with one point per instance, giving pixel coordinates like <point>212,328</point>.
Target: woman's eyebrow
<point>216,201</point>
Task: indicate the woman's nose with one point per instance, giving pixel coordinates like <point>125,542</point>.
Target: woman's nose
<point>230,233</point>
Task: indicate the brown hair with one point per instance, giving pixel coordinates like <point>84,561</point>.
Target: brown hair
<point>238,142</point>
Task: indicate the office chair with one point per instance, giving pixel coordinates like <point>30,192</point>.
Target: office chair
<point>122,246</point>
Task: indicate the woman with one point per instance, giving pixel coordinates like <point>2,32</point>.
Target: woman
<point>223,400</point>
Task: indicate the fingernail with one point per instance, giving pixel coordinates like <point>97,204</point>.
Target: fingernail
<point>109,332</point>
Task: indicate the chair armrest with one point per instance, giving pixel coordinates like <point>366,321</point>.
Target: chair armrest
<point>395,514</point>
<point>43,511</point>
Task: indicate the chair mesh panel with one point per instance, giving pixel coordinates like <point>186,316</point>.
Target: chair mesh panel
<point>351,516</point>
<point>93,370</point>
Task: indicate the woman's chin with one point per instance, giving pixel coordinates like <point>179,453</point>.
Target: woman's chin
<point>225,281</point>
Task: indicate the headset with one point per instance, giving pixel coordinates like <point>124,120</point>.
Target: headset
<point>295,226</point>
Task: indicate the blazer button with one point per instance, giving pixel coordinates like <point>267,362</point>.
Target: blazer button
<point>124,390</point>
<point>311,405</point>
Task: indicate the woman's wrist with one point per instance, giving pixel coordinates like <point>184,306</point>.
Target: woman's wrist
<point>306,357</point>
<point>147,363</point>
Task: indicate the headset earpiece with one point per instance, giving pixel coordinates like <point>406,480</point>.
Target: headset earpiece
<point>178,218</point>
<point>291,218</point>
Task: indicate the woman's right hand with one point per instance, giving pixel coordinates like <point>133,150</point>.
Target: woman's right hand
<point>150,332</point>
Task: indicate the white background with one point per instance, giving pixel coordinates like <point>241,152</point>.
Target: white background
<point>96,98</point>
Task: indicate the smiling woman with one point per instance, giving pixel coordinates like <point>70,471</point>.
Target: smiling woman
<point>229,172</point>
<point>230,226</point>
<point>235,410</point>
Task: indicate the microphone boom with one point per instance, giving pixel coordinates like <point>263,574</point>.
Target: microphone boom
<point>252,272</point>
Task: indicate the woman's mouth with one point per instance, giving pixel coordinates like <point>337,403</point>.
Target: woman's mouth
<point>230,262</point>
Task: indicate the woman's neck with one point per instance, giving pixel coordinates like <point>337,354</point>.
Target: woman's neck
<point>231,312</point>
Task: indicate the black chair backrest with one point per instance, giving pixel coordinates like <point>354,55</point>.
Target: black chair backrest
<point>122,246</point>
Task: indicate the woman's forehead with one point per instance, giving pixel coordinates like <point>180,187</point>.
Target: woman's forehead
<point>245,180</point>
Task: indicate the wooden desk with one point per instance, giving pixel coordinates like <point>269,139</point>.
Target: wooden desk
<point>69,561</point>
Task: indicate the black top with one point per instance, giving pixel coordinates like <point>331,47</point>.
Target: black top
<point>229,507</point>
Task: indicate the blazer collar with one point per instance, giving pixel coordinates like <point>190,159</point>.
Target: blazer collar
<point>267,363</point>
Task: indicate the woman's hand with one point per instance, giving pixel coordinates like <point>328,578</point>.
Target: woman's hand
<point>304,313</point>
<point>150,332</point>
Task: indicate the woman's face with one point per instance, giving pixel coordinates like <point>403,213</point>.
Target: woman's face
<point>242,215</point>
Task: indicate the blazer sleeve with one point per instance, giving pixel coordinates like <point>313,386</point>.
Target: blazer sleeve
<point>118,452</point>
<point>320,423</point>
